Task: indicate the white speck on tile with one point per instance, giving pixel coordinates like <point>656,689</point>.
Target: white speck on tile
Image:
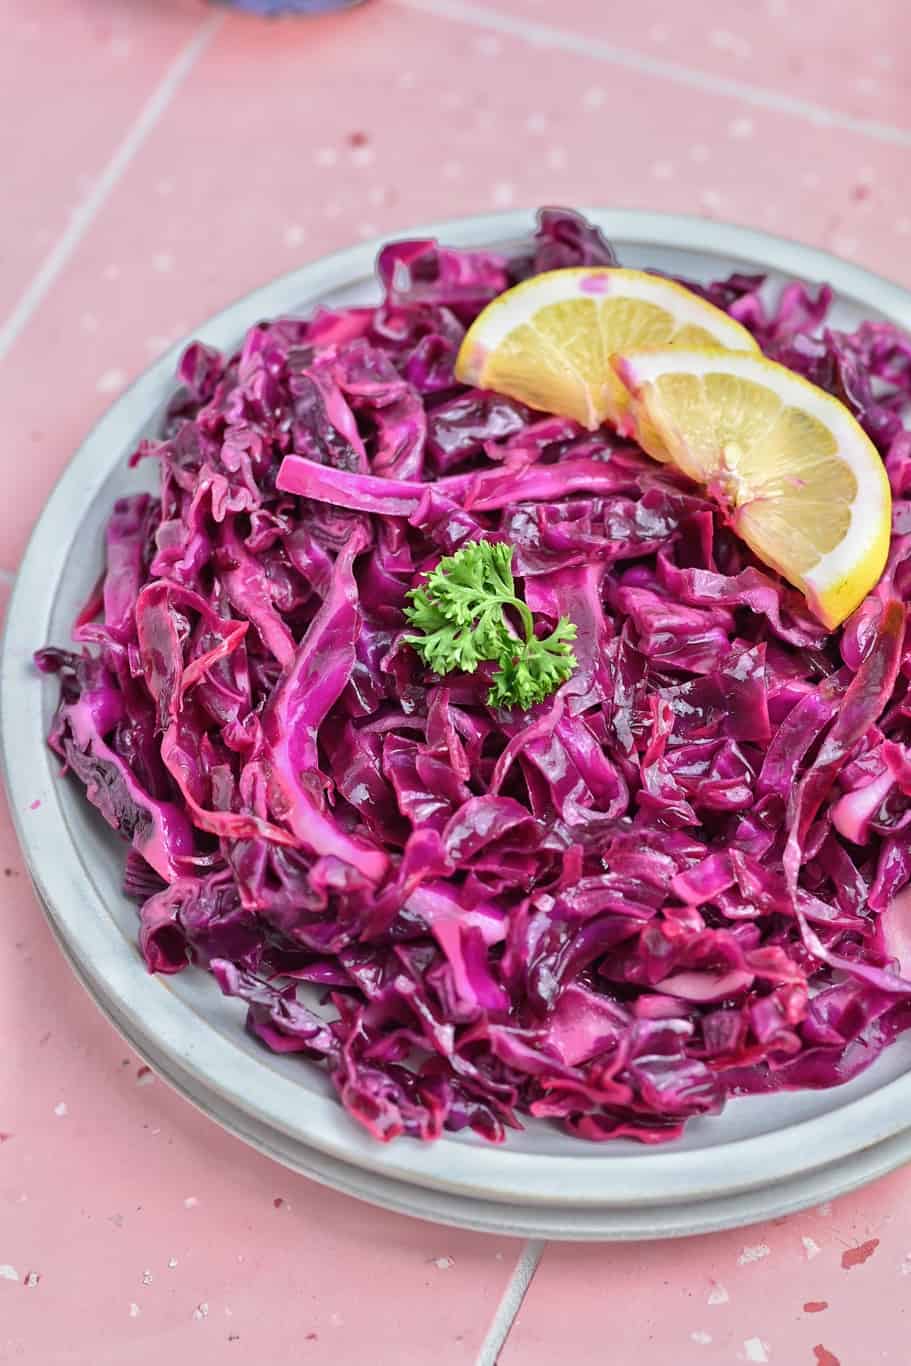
<point>172,1262</point>
<point>701,1336</point>
<point>191,1202</point>
<point>711,199</point>
<point>147,1277</point>
<point>811,1248</point>
<point>753,1253</point>
<point>229,1312</point>
<point>362,156</point>
<point>487,45</point>
<point>31,1279</point>
<point>406,80</point>
<point>201,1311</point>
<point>135,1311</point>
<point>23,1199</point>
<point>155,346</point>
<point>503,194</point>
<point>905,1265</point>
<point>451,170</point>
<point>88,322</point>
<point>294,235</point>
<point>557,158</point>
<point>755,1349</point>
<point>699,152</point>
<point>336,1320</point>
<point>108,383</point>
<point>443,1263</point>
<point>662,170</point>
<point>718,1294</point>
<point>741,128</point>
<point>366,231</point>
<point>8,1273</point>
<point>163,262</point>
<point>659,33</point>
<point>866,85</point>
<point>60,1109</point>
<point>325,156</point>
<point>111,272</point>
<point>165,186</point>
<point>536,123</point>
<point>594,97</point>
<point>725,41</point>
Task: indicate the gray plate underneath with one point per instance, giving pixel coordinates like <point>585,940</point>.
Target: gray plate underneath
<point>761,1157</point>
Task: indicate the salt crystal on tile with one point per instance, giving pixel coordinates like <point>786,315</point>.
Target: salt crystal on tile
<point>729,42</point>
<point>147,1277</point>
<point>754,1253</point>
<point>366,231</point>
<point>593,97</point>
<point>711,199</point>
<point>135,1311</point>
<point>8,1273</point>
<point>326,156</point>
<point>756,1350</point>
<point>701,1337</point>
<point>811,1248</point>
<point>718,1295</point>
<point>108,383</point>
<point>741,128</point>
<point>362,156</point>
<point>294,235</point>
<point>172,1262</point>
<point>191,1202</point>
<point>443,1263</point>
<point>163,262</point>
<point>32,1278</point>
<point>60,1109</point>
<point>503,194</point>
<point>201,1311</point>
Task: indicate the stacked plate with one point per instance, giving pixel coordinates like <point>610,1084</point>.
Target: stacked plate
<point>760,1158</point>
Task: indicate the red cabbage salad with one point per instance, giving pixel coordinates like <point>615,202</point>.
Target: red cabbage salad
<point>660,867</point>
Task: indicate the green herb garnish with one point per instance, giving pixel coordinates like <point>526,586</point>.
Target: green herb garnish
<point>461,612</point>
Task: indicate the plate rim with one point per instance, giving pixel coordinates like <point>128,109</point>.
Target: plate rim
<point>496,1174</point>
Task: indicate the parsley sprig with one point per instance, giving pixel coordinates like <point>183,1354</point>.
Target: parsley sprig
<point>461,612</point>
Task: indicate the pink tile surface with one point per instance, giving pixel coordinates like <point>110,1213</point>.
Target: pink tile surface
<point>773,45</point>
<point>832,1280</point>
<point>64,117</point>
<point>285,141</point>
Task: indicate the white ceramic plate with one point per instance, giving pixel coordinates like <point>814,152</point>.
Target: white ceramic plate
<point>758,1158</point>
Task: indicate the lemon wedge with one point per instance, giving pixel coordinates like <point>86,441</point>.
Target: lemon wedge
<point>547,341</point>
<point>800,480</point>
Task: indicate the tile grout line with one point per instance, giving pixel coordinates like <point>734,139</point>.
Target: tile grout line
<point>511,1302</point>
<point>88,210</point>
<point>587,45</point>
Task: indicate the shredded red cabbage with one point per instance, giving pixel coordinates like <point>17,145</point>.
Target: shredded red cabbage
<point>678,879</point>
